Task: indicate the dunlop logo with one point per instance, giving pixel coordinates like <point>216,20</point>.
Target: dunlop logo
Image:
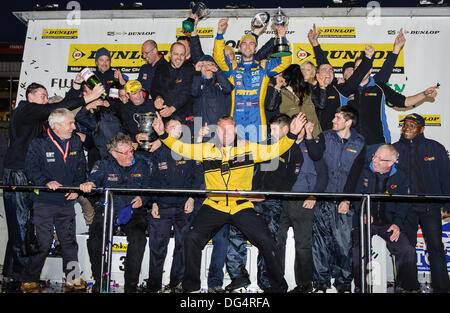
<point>337,32</point>
<point>340,53</point>
<point>205,32</point>
<point>121,247</point>
<point>430,119</point>
<point>52,33</point>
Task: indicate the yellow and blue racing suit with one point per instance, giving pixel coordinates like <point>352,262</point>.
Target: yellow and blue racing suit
<point>250,80</point>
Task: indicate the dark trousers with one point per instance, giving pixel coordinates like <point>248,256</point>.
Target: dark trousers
<point>17,206</point>
<point>236,258</point>
<point>46,217</point>
<point>301,219</point>
<point>135,232</point>
<point>404,252</point>
<point>159,232</point>
<point>207,223</point>
<point>332,247</point>
<point>219,251</point>
<point>270,211</point>
<point>430,221</point>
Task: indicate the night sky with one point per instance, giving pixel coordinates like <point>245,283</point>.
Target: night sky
<point>14,31</point>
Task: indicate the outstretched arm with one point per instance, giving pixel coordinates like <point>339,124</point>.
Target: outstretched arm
<point>190,151</point>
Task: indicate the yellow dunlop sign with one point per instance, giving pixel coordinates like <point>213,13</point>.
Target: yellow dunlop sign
<point>126,57</point>
<point>340,53</point>
<point>205,32</point>
<point>122,247</point>
<point>430,119</point>
<point>337,32</point>
<point>52,33</point>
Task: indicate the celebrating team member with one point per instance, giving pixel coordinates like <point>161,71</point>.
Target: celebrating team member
<point>229,166</point>
<point>343,149</point>
<point>123,169</point>
<point>427,164</point>
<point>250,79</point>
<point>55,160</point>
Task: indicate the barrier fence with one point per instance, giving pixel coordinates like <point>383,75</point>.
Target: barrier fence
<point>365,210</point>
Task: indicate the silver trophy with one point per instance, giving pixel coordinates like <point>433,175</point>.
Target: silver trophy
<point>281,47</point>
<point>260,20</point>
<point>198,9</point>
<point>144,122</point>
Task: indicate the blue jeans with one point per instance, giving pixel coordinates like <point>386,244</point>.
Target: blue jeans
<point>17,206</point>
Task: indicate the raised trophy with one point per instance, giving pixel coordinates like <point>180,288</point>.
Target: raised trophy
<point>281,47</point>
<point>260,20</point>
<point>198,9</point>
<point>144,122</point>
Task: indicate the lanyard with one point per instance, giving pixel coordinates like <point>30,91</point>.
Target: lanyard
<point>64,153</point>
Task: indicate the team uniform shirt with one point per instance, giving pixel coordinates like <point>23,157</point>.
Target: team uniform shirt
<point>230,167</point>
<point>52,159</point>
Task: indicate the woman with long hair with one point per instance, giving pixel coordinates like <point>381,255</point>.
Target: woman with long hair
<point>299,95</point>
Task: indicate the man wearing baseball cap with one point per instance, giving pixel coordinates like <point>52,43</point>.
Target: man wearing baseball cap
<point>139,101</point>
<point>427,163</point>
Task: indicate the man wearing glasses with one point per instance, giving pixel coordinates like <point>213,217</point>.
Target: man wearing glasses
<point>427,164</point>
<point>387,217</point>
<point>121,169</point>
<point>153,58</point>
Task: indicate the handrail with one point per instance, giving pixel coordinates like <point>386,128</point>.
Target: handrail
<point>107,241</point>
<point>232,192</point>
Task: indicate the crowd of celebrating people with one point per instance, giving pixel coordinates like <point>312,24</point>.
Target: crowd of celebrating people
<point>234,122</point>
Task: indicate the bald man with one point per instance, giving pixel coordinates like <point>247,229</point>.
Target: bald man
<point>150,54</point>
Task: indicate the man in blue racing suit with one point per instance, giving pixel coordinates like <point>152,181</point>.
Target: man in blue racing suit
<point>250,78</point>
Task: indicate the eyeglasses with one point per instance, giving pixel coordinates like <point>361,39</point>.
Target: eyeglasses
<point>378,158</point>
<point>128,152</point>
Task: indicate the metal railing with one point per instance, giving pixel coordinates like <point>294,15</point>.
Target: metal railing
<point>365,210</point>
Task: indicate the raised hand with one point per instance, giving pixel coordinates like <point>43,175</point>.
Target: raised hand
<point>222,26</point>
<point>399,42</point>
<point>369,51</point>
<point>158,103</point>
<point>431,92</point>
<point>309,127</point>
<point>313,36</point>
<point>158,124</point>
<point>298,123</point>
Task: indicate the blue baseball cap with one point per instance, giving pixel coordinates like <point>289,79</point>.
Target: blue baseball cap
<point>416,118</point>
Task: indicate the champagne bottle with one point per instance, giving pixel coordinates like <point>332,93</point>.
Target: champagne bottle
<point>114,89</point>
<point>91,79</point>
